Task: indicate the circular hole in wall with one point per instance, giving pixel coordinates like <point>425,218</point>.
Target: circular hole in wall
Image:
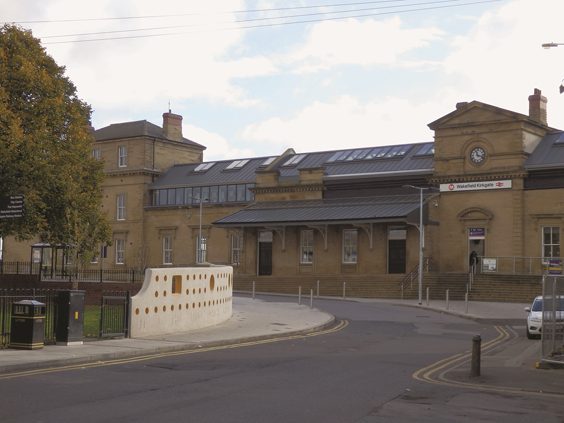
<point>156,310</point>
<point>156,294</point>
<point>157,278</point>
<point>165,278</point>
<point>136,311</point>
<point>164,308</point>
<point>164,293</point>
<point>172,308</point>
<point>187,292</point>
<point>146,310</point>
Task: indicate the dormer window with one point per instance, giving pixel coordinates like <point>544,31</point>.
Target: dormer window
<point>268,161</point>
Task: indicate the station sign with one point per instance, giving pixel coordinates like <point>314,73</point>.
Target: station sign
<point>11,206</point>
<point>476,186</point>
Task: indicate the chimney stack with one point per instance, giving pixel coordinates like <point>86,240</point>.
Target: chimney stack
<point>537,107</point>
<point>172,126</point>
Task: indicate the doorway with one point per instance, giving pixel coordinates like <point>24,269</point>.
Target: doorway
<point>265,253</point>
<point>397,250</point>
<point>479,247</point>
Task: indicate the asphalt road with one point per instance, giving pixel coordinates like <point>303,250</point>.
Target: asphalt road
<point>361,373</point>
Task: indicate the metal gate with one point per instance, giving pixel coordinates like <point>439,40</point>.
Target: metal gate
<point>114,315</point>
<point>553,319</point>
<point>10,296</point>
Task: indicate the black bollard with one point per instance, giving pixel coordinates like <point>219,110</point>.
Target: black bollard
<point>476,353</point>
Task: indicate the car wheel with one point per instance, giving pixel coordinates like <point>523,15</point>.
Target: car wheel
<point>529,334</point>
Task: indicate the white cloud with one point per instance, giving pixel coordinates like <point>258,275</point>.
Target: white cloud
<point>346,123</point>
<point>354,42</point>
<point>500,60</point>
<point>218,148</point>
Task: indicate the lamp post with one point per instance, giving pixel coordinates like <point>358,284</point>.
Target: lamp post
<point>551,45</point>
<point>421,241</point>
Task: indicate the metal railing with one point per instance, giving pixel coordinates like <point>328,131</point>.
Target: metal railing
<point>520,265</point>
<point>72,273</point>
<point>114,315</point>
<point>552,335</point>
<point>10,296</point>
<point>413,275</point>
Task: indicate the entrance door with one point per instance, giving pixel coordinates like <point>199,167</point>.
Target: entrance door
<point>477,246</point>
<point>396,256</point>
<point>265,253</point>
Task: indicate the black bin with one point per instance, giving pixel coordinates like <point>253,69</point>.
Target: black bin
<point>27,330</point>
<point>70,317</point>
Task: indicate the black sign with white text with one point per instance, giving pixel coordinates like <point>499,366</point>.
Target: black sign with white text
<point>11,206</point>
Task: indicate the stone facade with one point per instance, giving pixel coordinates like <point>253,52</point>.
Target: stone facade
<point>480,193</point>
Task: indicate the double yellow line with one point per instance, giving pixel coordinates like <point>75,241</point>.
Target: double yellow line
<point>437,373</point>
<point>339,326</point>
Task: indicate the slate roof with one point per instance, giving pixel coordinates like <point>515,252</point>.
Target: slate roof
<point>359,210</point>
<point>410,163</point>
<point>140,128</point>
<point>548,154</point>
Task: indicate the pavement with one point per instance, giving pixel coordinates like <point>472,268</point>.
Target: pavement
<point>509,365</point>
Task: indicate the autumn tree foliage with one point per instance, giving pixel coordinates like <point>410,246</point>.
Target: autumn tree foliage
<point>46,148</point>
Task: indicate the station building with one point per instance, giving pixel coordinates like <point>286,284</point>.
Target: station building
<point>491,182</point>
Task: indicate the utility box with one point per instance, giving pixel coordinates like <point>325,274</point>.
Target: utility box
<point>27,330</point>
<point>70,318</point>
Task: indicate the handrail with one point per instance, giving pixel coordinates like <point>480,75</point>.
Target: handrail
<point>414,274</point>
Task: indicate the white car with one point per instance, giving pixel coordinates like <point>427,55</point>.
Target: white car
<point>534,316</point>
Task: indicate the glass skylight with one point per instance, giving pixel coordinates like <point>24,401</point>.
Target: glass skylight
<point>237,164</point>
<point>294,160</point>
<point>202,167</point>
<point>426,149</point>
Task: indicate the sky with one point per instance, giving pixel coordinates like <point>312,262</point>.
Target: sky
<point>253,78</point>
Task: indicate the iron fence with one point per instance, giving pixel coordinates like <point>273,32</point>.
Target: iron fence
<point>114,315</point>
<point>520,265</point>
<point>10,296</point>
<point>553,319</point>
<point>68,273</point>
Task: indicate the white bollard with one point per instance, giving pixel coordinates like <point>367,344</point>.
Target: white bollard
<point>311,298</point>
<point>466,302</point>
<point>253,290</point>
<point>318,288</point>
<point>447,305</point>
<point>344,290</point>
<point>300,295</point>
<point>427,291</point>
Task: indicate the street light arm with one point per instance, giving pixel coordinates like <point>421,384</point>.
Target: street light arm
<point>550,45</point>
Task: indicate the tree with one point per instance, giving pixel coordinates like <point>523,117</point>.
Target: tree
<point>46,148</point>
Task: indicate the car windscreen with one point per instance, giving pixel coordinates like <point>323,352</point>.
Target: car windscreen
<point>537,305</point>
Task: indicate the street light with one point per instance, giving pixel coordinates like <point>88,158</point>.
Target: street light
<point>421,239</point>
<point>551,45</point>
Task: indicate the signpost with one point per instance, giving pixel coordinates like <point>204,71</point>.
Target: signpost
<point>11,207</point>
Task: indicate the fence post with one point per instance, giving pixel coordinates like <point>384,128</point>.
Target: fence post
<point>447,305</point>
<point>318,288</point>
<point>401,286</point>
<point>427,291</point>
<point>300,295</point>
<point>344,290</point>
<point>253,290</point>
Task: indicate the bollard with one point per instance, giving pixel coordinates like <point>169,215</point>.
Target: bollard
<point>344,290</point>
<point>300,295</point>
<point>476,353</point>
<point>318,288</point>
<point>311,298</point>
<point>253,290</point>
<point>447,306</point>
<point>466,302</point>
<point>427,290</point>
<point>402,291</point>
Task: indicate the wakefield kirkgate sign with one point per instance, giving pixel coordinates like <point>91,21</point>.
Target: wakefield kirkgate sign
<point>11,206</point>
<point>476,186</point>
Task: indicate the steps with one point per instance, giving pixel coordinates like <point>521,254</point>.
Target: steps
<point>486,287</point>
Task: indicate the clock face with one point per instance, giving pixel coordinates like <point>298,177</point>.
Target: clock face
<point>478,155</point>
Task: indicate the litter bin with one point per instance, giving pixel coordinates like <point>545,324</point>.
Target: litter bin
<point>70,317</point>
<point>27,330</point>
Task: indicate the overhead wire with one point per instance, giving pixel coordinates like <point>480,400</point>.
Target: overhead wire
<point>235,25</point>
<point>267,18</point>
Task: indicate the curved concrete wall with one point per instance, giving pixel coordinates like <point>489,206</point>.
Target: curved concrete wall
<point>180,299</point>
